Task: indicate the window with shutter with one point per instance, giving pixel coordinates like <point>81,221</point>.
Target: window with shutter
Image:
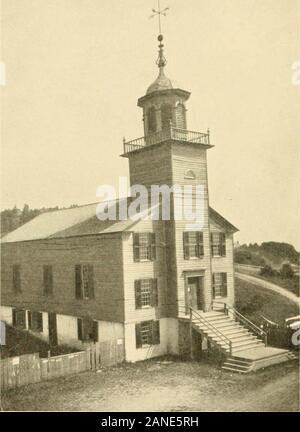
<point>218,244</point>
<point>19,318</point>
<point>84,281</point>
<point>193,245</point>
<point>146,294</point>
<point>147,333</point>
<point>219,285</point>
<point>16,278</point>
<point>144,247</point>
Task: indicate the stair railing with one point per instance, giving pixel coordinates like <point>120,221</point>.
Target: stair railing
<point>229,310</point>
<point>194,315</point>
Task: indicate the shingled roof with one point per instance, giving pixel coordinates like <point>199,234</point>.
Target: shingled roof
<point>82,220</point>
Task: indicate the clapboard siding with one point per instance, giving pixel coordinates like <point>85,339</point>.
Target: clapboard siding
<point>185,158</point>
<point>144,270</point>
<point>103,252</point>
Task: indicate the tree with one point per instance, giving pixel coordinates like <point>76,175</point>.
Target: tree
<point>287,271</point>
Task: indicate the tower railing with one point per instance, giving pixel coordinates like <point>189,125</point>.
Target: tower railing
<point>170,133</point>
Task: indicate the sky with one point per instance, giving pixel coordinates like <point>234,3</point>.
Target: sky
<point>74,72</point>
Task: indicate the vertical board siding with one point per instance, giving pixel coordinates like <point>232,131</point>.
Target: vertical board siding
<point>103,252</point>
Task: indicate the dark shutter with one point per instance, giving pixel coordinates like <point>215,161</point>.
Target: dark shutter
<point>138,294</point>
<point>136,248</point>
<point>20,318</point>
<point>224,284</point>
<point>222,244</point>
<point>154,293</point>
<point>14,317</point>
<point>48,279</point>
<point>79,329</point>
<point>40,321</point>
<point>138,338</point>
<point>213,287</point>
<point>29,317</point>
<point>78,290</point>
<point>152,245</point>
<point>95,331</point>
<point>91,281</point>
<point>155,333</point>
<point>16,278</point>
<point>200,244</point>
<point>186,249</point>
<point>212,244</point>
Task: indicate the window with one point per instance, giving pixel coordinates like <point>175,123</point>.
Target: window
<point>48,279</point>
<point>84,281</point>
<point>16,278</point>
<point>219,285</point>
<point>146,293</point>
<point>35,321</point>
<point>19,318</point>
<point>193,244</point>
<point>166,116</point>
<point>144,248</point>
<point>151,117</point>
<point>147,333</point>
<point>87,330</point>
<point>218,244</point>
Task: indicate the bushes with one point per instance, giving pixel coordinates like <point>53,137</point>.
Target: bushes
<point>267,270</point>
<point>286,271</point>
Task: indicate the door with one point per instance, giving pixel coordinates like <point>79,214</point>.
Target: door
<point>194,292</point>
<point>52,325</point>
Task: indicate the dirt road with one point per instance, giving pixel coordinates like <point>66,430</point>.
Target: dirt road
<point>154,386</point>
<point>265,284</point>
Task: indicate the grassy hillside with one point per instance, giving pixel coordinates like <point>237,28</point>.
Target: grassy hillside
<point>253,302</point>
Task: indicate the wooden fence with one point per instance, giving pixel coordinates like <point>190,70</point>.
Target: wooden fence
<point>30,368</point>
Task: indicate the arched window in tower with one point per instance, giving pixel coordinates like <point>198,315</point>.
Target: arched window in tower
<point>166,116</point>
<point>151,118</point>
<point>180,116</point>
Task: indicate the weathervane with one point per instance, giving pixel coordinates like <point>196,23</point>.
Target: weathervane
<point>159,13</point>
<point>161,61</point>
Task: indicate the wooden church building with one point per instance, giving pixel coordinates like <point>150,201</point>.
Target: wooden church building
<point>74,279</point>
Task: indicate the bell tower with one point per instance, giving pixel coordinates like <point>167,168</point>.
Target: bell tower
<point>170,154</point>
<point>164,103</point>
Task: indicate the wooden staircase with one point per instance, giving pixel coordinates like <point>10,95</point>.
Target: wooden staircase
<point>224,332</point>
<point>243,343</point>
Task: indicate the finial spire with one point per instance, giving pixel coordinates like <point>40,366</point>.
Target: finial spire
<point>161,61</point>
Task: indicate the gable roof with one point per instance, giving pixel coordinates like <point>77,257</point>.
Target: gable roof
<point>83,220</point>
